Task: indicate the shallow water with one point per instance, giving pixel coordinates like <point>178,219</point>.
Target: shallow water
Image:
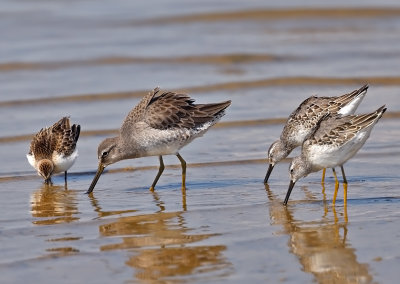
<point>94,61</point>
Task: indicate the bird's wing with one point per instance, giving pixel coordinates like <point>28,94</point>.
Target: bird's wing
<point>64,136</point>
<point>341,129</point>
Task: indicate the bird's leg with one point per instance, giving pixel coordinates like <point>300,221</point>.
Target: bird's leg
<point>344,175</point>
<point>65,181</point>
<point>336,186</point>
<point>160,171</point>
<point>346,218</point>
<point>183,164</point>
<point>48,181</point>
<point>334,174</point>
<point>323,176</point>
<point>344,186</point>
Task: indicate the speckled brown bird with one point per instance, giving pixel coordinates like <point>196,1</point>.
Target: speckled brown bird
<point>161,124</point>
<point>303,120</point>
<point>334,141</point>
<point>53,149</point>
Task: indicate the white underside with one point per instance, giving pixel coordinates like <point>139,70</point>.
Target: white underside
<point>169,142</point>
<point>31,160</point>
<point>62,163</point>
<point>330,156</point>
<point>166,142</point>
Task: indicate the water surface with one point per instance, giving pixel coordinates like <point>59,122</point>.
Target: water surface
<point>94,61</point>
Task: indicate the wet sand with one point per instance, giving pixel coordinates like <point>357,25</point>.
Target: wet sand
<point>95,61</point>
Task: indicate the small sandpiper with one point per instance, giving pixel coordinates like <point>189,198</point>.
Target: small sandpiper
<point>161,124</point>
<point>334,141</point>
<point>53,149</point>
<point>303,120</point>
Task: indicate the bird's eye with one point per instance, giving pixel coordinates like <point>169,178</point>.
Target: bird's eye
<point>291,171</point>
<point>104,154</point>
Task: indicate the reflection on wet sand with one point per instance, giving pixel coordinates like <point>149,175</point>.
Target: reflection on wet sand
<point>166,263</point>
<point>159,243</point>
<point>101,213</point>
<point>54,205</point>
<point>345,216</point>
<point>321,246</point>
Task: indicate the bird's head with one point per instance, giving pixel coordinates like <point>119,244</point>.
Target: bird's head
<point>45,169</point>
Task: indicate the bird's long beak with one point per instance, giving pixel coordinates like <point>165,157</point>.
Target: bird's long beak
<point>270,168</point>
<point>96,178</point>
<point>289,191</point>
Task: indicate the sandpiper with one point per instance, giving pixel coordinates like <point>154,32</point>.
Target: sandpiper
<point>161,124</point>
<point>334,140</point>
<point>303,120</point>
<point>53,149</point>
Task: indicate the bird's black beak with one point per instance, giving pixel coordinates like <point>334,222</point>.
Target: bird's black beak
<point>96,178</point>
<point>291,185</point>
<point>270,168</point>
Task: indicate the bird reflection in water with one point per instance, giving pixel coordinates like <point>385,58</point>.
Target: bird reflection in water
<point>53,205</point>
<point>326,205</point>
<point>321,246</point>
<point>162,247</point>
<point>160,204</point>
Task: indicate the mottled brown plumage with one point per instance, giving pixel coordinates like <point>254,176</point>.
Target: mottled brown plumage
<point>161,124</point>
<point>334,141</point>
<point>53,149</point>
<point>60,138</point>
<point>338,130</point>
<point>311,110</point>
<point>303,120</point>
<point>171,110</point>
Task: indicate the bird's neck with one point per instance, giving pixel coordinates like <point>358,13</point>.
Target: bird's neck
<point>309,167</point>
<point>130,150</point>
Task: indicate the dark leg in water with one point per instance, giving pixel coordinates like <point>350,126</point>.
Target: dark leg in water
<point>160,171</point>
<point>183,164</point>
